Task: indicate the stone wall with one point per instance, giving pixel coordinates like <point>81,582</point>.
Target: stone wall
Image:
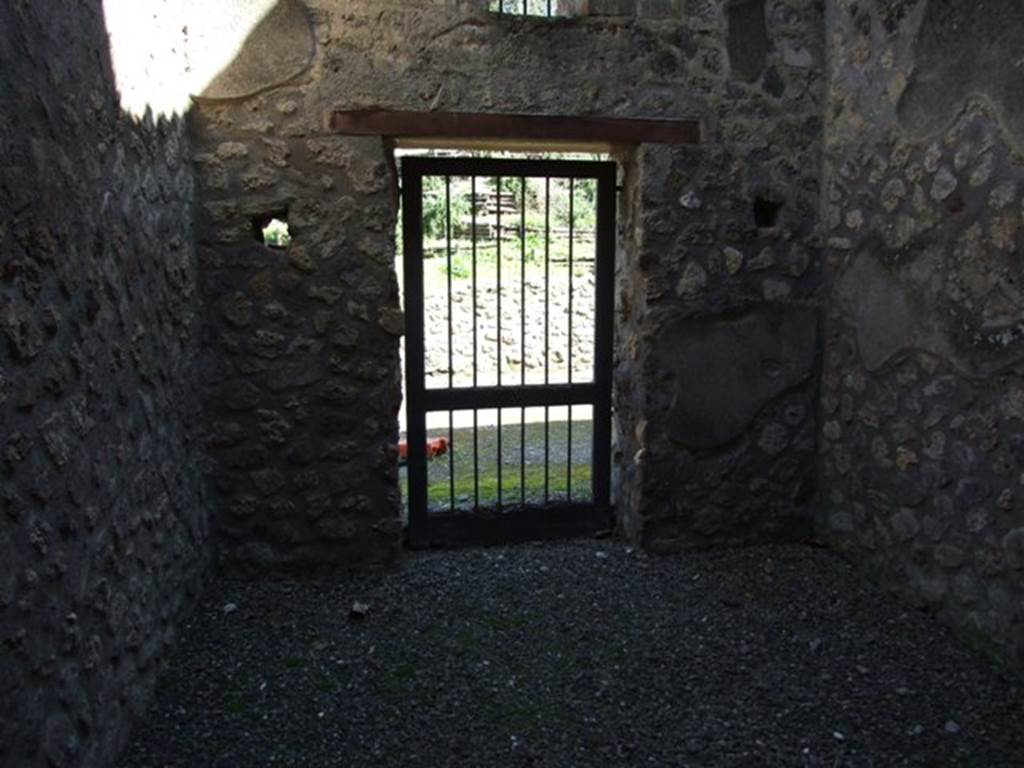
<point>301,359</point>
<point>717,377</point>
<point>922,434</point>
<point>303,363</point>
<point>104,532</point>
<point>113,304</point>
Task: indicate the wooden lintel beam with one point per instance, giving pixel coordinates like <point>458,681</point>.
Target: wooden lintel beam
<point>534,128</point>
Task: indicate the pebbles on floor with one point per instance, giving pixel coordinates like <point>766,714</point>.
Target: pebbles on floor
<point>578,654</point>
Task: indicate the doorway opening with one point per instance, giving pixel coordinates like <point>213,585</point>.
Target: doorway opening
<point>507,269</point>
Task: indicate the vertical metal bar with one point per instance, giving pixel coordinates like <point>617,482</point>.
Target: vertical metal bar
<point>547,333</point>
<point>416,431</point>
<point>498,292</point>
<point>549,8</point>
<point>526,9</point>
<point>451,371</point>
<point>522,337</point>
<point>568,444</point>
<point>604,329</point>
<point>476,433</point>
<point>572,216</point>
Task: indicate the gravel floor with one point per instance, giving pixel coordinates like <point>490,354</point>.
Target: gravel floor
<point>580,654</point>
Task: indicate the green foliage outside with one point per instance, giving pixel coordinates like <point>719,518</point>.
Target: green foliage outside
<point>439,469</point>
<point>435,196</point>
<point>551,211</point>
<point>521,235</point>
<point>276,234</point>
<point>438,496</point>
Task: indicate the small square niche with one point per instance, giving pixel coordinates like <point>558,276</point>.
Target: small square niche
<point>766,211</point>
<point>271,230</point>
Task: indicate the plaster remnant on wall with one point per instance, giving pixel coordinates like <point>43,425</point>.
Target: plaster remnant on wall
<point>962,50</point>
<point>745,360</point>
<point>279,48</point>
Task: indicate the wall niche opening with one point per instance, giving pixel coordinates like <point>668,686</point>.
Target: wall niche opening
<point>271,229</point>
<point>766,211</point>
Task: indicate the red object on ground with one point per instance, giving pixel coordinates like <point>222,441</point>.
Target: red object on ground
<point>436,447</point>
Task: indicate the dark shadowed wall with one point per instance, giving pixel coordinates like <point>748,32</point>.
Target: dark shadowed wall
<point>103,536</point>
<point>922,438</point>
<point>144,355</point>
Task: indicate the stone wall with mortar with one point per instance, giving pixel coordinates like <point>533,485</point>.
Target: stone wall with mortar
<point>302,353</point>
<point>922,416</point>
<point>302,360</point>
<point>104,533</point>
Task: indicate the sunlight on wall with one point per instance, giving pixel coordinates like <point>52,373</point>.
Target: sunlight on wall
<point>164,51</point>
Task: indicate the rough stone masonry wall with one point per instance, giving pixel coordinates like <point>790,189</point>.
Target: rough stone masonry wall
<point>104,530</point>
<point>303,363</point>
<point>718,327</point>
<point>922,435</point>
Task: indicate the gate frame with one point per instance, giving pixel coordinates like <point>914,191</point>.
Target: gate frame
<point>512,522</point>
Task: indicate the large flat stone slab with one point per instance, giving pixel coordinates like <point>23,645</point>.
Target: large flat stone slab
<point>895,312</point>
<point>963,49</point>
<point>727,368</point>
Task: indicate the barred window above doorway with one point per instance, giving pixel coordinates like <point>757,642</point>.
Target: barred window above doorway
<point>542,8</point>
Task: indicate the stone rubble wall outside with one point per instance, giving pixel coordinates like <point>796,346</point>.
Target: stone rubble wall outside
<point>555,342</point>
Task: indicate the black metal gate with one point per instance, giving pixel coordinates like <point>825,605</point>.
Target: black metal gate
<point>548,224</point>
